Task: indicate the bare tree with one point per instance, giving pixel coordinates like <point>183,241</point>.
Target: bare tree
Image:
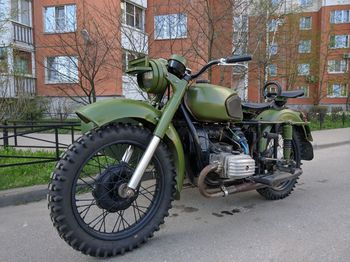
<point>91,55</point>
<point>212,33</point>
<point>270,24</point>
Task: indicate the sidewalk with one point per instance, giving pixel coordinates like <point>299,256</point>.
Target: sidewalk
<point>330,138</point>
<point>322,139</point>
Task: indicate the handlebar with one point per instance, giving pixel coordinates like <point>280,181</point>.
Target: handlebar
<point>227,60</point>
<point>237,59</point>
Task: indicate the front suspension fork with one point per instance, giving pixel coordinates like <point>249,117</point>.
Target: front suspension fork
<point>179,88</point>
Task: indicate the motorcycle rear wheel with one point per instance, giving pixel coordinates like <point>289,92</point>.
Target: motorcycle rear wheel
<point>285,188</point>
<point>84,203</point>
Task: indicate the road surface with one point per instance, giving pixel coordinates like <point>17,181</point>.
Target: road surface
<point>313,224</point>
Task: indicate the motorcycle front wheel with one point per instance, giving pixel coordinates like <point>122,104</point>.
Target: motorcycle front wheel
<point>85,205</point>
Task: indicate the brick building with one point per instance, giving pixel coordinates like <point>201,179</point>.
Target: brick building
<point>51,41</point>
<point>308,48</point>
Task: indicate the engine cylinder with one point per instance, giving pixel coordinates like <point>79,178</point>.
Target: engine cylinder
<point>233,166</point>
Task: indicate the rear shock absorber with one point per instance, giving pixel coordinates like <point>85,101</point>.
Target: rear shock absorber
<point>287,141</point>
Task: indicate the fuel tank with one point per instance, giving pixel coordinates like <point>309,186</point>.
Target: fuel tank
<point>212,103</point>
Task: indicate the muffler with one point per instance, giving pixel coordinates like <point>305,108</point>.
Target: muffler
<point>278,177</point>
<point>222,191</point>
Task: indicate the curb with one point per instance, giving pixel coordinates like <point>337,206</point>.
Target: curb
<point>20,196</point>
<point>322,146</point>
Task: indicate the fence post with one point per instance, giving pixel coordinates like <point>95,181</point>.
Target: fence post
<point>32,121</point>
<point>72,133</point>
<point>343,118</point>
<point>321,118</point>
<point>5,135</point>
<point>57,145</point>
<point>15,133</point>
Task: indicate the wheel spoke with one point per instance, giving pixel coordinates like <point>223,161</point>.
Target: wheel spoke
<point>102,174</point>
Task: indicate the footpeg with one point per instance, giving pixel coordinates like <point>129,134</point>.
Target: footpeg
<point>277,178</point>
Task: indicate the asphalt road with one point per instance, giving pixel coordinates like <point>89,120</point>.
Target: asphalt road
<point>313,224</point>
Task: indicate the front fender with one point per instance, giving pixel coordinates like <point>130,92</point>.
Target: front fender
<point>282,116</point>
<point>127,110</point>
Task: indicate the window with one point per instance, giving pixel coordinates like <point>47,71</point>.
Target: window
<point>240,34</point>
<point>303,69</point>
<point>170,26</point>
<point>3,59</point>
<point>339,41</point>
<point>337,90</point>
<point>62,69</point>
<point>22,63</point>
<point>275,3</point>
<point>3,13</point>
<point>304,46</point>
<point>340,16</point>
<point>240,43</point>
<point>306,91</point>
<point>337,66</point>
<point>21,11</point>
<point>240,23</point>
<point>305,2</point>
<point>305,23</point>
<point>272,70</point>
<point>273,25</point>
<point>273,49</point>
<point>133,15</point>
<point>59,19</point>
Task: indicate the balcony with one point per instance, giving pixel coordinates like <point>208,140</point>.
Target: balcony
<point>24,85</point>
<point>134,40</point>
<point>22,33</point>
<point>15,86</point>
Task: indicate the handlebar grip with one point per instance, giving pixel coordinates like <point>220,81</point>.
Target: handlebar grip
<point>236,59</point>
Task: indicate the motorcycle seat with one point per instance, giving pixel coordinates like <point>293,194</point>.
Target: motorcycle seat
<point>256,106</point>
<point>292,93</point>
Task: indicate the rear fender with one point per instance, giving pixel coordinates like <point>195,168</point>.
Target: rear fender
<point>287,116</point>
<point>131,111</point>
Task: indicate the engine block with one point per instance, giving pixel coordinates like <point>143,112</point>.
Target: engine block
<point>233,166</point>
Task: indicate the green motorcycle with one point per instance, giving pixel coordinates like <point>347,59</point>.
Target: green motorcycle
<point>114,186</point>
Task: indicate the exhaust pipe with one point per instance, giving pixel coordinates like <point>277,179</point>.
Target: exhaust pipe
<point>222,191</point>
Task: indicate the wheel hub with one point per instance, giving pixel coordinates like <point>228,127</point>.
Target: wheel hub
<point>107,185</point>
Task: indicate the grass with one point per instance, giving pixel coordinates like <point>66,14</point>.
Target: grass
<point>37,174</point>
<point>329,123</point>
<point>34,174</point>
<point>26,175</point>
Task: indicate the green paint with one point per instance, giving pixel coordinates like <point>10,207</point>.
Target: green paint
<point>179,89</point>
<point>287,134</point>
<point>206,102</point>
<point>158,83</point>
<point>130,111</point>
<point>179,58</point>
<point>139,66</point>
<point>281,116</point>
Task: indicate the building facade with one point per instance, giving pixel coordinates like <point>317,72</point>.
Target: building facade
<point>303,45</point>
<point>80,49</point>
<point>17,51</point>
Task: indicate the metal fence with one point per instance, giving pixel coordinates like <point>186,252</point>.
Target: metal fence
<point>39,135</point>
<point>321,120</point>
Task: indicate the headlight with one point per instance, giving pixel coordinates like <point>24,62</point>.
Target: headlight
<point>177,65</point>
<point>147,79</point>
<point>153,81</point>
